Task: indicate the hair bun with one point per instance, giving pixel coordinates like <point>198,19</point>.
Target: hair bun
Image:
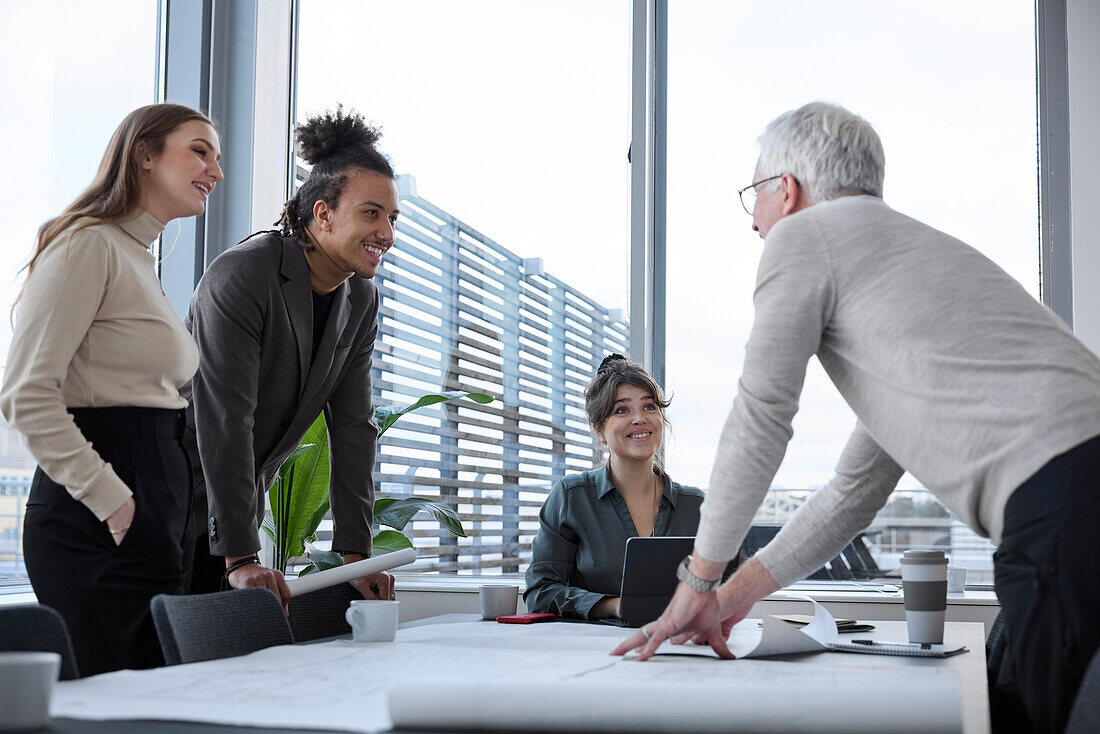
<point>609,362</point>
<point>329,133</point>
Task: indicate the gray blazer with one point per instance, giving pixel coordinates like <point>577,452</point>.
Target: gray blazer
<point>255,393</point>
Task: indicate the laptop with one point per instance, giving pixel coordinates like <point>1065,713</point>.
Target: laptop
<point>649,577</point>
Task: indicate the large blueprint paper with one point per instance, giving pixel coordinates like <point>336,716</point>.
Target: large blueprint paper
<point>704,695</point>
<point>476,670</point>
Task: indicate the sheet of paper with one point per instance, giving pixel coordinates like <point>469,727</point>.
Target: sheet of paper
<point>468,671</point>
<point>350,571</point>
<point>773,637</point>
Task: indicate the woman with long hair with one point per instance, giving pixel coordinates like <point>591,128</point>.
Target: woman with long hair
<point>92,382</point>
<point>577,556</point>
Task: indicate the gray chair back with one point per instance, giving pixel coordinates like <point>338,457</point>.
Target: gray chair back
<point>995,646</point>
<point>37,628</point>
<point>221,625</point>
<point>1084,717</point>
<point>321,613</point>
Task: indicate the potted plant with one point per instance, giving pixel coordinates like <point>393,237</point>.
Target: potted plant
<point>299,499</point>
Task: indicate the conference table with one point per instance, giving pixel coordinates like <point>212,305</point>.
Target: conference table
<point>178,700</point>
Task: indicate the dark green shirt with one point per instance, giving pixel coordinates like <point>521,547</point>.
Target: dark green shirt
<point>577,556</point>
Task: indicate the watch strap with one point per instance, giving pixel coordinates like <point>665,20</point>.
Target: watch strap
<point>684,574</point>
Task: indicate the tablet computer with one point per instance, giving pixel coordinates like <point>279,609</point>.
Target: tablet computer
<point>649,576</point>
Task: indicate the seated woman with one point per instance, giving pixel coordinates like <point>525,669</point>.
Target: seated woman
<point>577,556</point>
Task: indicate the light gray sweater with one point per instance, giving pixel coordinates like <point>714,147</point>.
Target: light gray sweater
<point>954,371</point>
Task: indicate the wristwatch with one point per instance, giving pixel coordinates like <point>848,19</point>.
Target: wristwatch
<point>693,581</point>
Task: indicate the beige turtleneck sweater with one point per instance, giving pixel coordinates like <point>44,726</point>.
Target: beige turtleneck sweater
<point>93,330</point>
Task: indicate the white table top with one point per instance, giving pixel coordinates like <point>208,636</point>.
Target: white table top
<point>174,693</point>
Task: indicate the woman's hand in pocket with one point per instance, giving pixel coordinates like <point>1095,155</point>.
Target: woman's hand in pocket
<point>118,522</point>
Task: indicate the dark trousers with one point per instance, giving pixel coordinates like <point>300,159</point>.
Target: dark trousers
<point>103,590</point>
<point>203,573</point>
<point>1047,572</point>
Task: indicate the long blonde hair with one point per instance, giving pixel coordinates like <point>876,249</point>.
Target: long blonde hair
<point>116,189</point>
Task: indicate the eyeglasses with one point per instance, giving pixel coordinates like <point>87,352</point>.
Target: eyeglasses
<point>748,194</point>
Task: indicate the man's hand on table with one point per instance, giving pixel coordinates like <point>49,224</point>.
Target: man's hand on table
<point>375,586</point>
<point>254,575</point>
<point>704,618</point>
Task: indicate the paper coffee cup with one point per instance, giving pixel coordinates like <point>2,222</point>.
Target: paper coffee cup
<point>26,682</point>
<point>372,620</point>
<point>924,580</point>
<point>497,600</point>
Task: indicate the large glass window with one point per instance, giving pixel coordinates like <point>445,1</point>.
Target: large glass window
<point>509,123</point>
<point>951,89</point>
<point>75,69</point>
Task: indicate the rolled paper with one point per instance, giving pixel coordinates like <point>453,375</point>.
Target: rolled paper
<point>349,571</point>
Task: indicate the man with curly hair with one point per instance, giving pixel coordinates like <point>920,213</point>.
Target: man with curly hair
<point>286,323</point>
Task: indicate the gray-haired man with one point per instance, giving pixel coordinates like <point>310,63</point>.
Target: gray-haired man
<point>955,374</point>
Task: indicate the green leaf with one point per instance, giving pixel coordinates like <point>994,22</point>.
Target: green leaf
<point>318,516</point>
<point>388,541</point>
<point>324,560</point>
<point>305,479</point>
<point>396,513</point>
<point>294,455</point>
<point>386,415</point>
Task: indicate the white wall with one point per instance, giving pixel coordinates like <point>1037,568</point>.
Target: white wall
<point>1083,32</point>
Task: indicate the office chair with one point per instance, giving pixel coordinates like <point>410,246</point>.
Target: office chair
<point>854,562</point>
<point>995,645</point>
<point>222,625</point>
<point>37,628</point>
<point>321,613</point>
<point>1084,717</point>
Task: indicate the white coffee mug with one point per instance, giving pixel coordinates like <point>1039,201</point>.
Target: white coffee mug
<point>372,620</point>
<point>956,580</point>
<point>26,682</point>
<point>498,600</point>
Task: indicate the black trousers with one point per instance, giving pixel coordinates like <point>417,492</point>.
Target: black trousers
<point>1047,575</point>
<point>203,573</point>
<point>103,590</point>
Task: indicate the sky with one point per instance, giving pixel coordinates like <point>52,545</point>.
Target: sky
<point>74,70</point>
<point>515,117</point>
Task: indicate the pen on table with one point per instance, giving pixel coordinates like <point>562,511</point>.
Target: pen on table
<point>922,645</point>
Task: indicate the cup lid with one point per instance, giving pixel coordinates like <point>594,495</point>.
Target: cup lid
<point>923,557</point>
<point>27,657</point>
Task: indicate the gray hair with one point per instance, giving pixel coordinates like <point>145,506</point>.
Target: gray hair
<point>831,151</point>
